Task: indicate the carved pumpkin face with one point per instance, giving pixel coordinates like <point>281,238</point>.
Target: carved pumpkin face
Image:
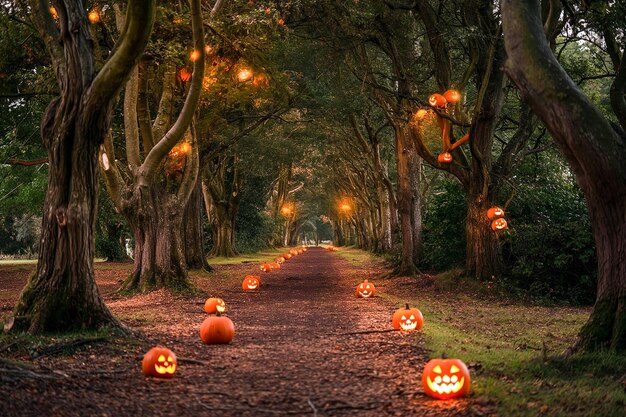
<point>407,319</point>
<point>214,305</point>
<point>499,224</point>
<point>280,260</point>
<point>446,378</point>
<point>265,267</point>
<point>159,362</point>
<point>494,213</point>
<point>217,330</point>
<point>251,283</point>
<point>452,96</point>
<point>445,158</point>
<point>437,100</point>
<point>294,252</point>
<point>274,266</point>
<point>365,289</point>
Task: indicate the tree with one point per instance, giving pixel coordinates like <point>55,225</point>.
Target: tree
<point>596,152</point>
<point>62,295</point>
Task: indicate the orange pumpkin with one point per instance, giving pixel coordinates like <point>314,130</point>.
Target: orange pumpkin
<point>499,224</point>
<point>184,75</point>
<point>274,266</point>
<point>494,213</point>
<point>280,260</point>
<point>217,330</point>
<point>452,96</point>
<point>446,378</point>
<point>407,319</point>
<point>265,267</point>
<point>437,100</point>
<point>294,252</point>
<point>159,362</point>
<point>365,289</point>
<point>214,305</point>
<point>251,283</point>
<point>287,256</point>
<point>445,158</point>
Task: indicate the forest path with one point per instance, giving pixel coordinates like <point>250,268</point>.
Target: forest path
<point>296,351</point>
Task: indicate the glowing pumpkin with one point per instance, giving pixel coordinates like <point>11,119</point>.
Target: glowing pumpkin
<point>452,96</point>
<point>184,75</point>
<point>407,319</point>
<point>251,283</point>
<point>265,267</point>
<point>217,330</point>
<point>287,256</point>
<point>446,378</point>
<point>445,158</point>
<point>495,213</point>
<point>53,12</point>
<point>499,224</point>
<point>194,55</point>
<point>365,289</point>
<point>244,74</point>
<point>94,17</point>
<point>159,362</point>
<point>214,305</point>
<point>437,100</point>
<point>280,260</point>
<point>274,266</point>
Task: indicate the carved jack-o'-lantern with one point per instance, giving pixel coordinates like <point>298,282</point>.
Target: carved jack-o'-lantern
<point>274,266</point>
<point>159,362</point>
<point>184,75</point>
<point>445,158</point>
<point>280,260</point>
<point>365,289</point>
<point>446,378</point>
<point>214,305</point>
<point>452,96</point>
<point>265,267</point>
<point>495,213</point>
<point>407,319</point>
<point>287,256</point>
<point>437,100</point>
<point>217,330</point>
<point>293,252</point>
<point>251,283</point>
<point>499,224</point>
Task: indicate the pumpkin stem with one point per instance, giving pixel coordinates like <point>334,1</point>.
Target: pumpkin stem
<point>406,306</point>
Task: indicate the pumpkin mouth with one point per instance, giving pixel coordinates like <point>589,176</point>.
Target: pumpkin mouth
<point>445,385</point>
<point>408,325</point>
<point>221,309</point>
<point>165,369</point>
<point>365,293</point>
<point>252,286</point>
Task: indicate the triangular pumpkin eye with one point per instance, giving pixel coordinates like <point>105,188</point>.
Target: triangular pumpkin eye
<point>454,369</point>
<point>403,318</point>
<point>170,359</point>
<point>161,358</point>
<point>437,369</point>
<point>412,317</point>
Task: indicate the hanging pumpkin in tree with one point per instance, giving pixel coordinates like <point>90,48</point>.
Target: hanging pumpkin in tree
<point>159,362</point>
<point>446,378</point>
<point>495,213</point>
<point>365,289</point>
<point>437,100</point>
<point>217,330</point>
<point>214,305</point>
<point>407,319</point>
<point>445,158</point>
<point>452,96</point>
<point>251,283</point>
<point>499,224</point>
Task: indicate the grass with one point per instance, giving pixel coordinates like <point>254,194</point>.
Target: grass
<point>514,350</point>
<point>267,255</point>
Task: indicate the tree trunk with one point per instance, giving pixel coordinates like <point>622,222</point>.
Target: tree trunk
<point>483,255</point>
<point>596,153</point>
<point>193,240</point>
<point>159,254</point>
<point>223,232</point>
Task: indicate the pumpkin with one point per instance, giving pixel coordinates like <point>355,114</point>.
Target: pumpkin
<point>287,256</point>
<point>452,96</point>
<point>251,283</point>
<point>214,305</point>
<point>365,289</point>
<point>194,55</point>
<point>280,260</point>
<point>93,16</point>
<point>407,319</point>
<point>494,213</point>
<point>437,100</point>
<point>445,158</point>
<point>159,362</point>
<point>274,266</point>
<point>265,267</point>
<point>294,252</point>
<point>499,224</point>
<point>217,330</point>
<point>184,75</point>
<point>53,12</point>
<point>446,378</point>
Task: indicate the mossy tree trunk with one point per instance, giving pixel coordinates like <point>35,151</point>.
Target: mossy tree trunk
<point>596,153</point>
<point>193,236</point>
<point>62,295</point>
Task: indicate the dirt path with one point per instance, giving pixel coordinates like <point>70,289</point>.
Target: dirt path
<point>293,354</point>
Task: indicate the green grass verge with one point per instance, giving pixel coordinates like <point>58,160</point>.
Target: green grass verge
<point>514,349</point>
<point>267,255</point>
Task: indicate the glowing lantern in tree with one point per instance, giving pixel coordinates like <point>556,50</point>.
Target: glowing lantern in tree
<point>251,283</point>
<point>445,158</point>
<point>499,224</point>
<point>281,22</point>
<point>214,305</point>
<point>194,55</point>
<point>159,362</point>
<point>446,378</point>
<point>260,80</point>
<point>244,74</point>
<point>407,319</point>
<point>94,16</point>
<point>495,213</point>
<point>54,13</point>
<point>365,289</point>
<point>208,49</point>
<point>268,11</point>
<point>217,330</point>
<point>184,75</point>
<point>437,100</point>
<point>452,96</point>
<point>421,114</point>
